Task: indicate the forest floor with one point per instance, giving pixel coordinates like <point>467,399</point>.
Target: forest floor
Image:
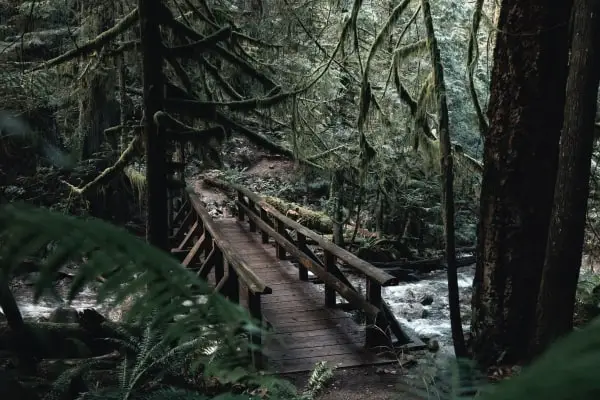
<point>373,383</point>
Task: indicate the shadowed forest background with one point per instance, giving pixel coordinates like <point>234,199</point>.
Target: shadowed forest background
<point>451,144</point>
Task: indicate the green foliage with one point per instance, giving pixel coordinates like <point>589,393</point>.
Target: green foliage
<point>320,375</point>
<point>568,370</point>
<point>188,331</point>
<point>587,301</point>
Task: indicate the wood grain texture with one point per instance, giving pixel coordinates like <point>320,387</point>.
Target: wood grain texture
<point>304,330</point>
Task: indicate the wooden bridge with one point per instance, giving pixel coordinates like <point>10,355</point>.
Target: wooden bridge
<point>262,259</point>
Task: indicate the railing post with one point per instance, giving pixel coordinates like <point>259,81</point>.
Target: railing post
<point>208,240</point>
<point>302,271</point>
<point>376,326</point>
<point>280,248</point>
<point>240,210</point>
<point>219,265</point>
<point>255,308</point>
<point>330,300</point>
<point>250,220</point>
<point>232,288</point>
<point>265,217</point>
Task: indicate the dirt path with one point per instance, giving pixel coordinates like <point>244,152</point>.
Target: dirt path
<point>362,383</point>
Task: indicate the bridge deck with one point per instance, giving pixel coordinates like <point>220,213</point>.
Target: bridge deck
<point>305,331</point>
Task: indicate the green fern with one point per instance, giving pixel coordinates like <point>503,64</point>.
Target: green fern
<point>320,375</point>
<point>159,286</point>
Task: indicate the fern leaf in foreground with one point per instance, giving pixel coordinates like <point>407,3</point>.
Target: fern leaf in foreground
<point>159,286</point>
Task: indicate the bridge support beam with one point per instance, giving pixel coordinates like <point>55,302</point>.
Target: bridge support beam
<point>330,298</point>
<point>254,306</point>
<point>377,326</point>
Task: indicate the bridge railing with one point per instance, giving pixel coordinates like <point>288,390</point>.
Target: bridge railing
<point>273,224</point>
<point>201,245</point>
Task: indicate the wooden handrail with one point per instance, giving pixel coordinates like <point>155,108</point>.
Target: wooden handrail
<point>311,265</point>
<point>242,269</point>
<point>370,271</point>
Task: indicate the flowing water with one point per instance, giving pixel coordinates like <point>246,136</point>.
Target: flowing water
<point>421,306</point>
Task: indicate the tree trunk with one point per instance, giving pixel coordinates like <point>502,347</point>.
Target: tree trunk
<point>520,159</point>
<point>98,109</point>
<point>447,173</point>
<point>337,196</point>
<point>156,143</point>
<point>565,240</point>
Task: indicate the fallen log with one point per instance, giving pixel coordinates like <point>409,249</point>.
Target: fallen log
<point>314,220</point>
<point>423,265</point>
<point>408,271</point>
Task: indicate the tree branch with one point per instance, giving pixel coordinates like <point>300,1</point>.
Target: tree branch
<point>193,49</point>
<point>110,172</point>
<point>127,22</point>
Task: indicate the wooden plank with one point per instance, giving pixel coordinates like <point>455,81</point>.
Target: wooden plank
<point>302,342</point>
<point>310,326</point>
<point>188,236</point>
<point>194,250</point>
<point>303,330</point>
<point>313,316</point>
<point>310,264</point>
<point>243,270</point>
<point>381,277</point>
<point>340,361</point>
<point>317,350</point>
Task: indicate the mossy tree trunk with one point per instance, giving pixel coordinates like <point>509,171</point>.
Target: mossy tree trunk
<point>337,196</point>
<point>447,176</point>
<point>525,114</point>
<point>156,144</point>
<point>98,109</point>
<point>565,240</point>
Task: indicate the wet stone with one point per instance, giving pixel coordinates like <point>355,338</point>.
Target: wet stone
<point>64,315</point>
<point>427,300</point>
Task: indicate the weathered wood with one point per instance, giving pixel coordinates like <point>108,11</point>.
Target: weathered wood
<point>255,308</point>
<point>233,286</point>
<point>219,266</point>
<point>265,217</point>
<point>240,212</point>
<point>280,248</point>
<point>193,252</point>
<point>221,286</point>
<point>188,236</point>
<point>302,271</point>
<point>208,264</point>
<point>329,292</point>
<point>181,213</point>
<point>353,261</point>
<point>296,312</point>
<point>343,290</point>
<point>376,335</point>
<point>246,275</point>
<point>251,223</point>
<point>185,226</point>
<point>394,325</point>
<point>180,255</point>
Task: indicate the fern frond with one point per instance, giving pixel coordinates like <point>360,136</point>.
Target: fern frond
<point>320,375</point>
<point>159,286</point>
